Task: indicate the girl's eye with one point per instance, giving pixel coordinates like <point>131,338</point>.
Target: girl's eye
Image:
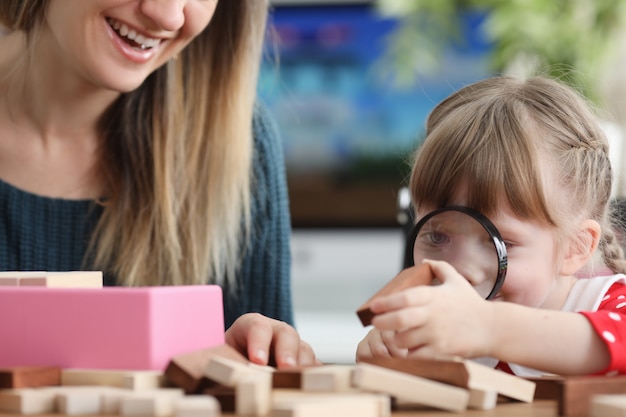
<point>434,238</point>
<point>509,245</point>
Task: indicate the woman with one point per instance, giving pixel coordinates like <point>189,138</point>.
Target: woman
<point>130,143</point>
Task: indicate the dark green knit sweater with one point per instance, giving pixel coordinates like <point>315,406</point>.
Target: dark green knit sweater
<point>47,234</point>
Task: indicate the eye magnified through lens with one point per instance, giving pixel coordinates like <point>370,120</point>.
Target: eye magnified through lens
<point>467,240</point>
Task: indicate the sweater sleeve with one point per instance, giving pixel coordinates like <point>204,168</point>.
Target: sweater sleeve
<point>264,284</point>
<point>609,322</point>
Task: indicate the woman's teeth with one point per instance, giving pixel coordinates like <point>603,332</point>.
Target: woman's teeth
<point>136,40</point>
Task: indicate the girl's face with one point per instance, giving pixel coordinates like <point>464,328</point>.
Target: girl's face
<point>532,274</point>
<point>116,44</point>
<point>532,277</point>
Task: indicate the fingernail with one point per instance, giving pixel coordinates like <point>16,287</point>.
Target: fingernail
<point>261,355</point>
<point>289,361</point>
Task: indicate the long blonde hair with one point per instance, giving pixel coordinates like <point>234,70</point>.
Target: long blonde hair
<point>494,133</point>
<point>176,154</point>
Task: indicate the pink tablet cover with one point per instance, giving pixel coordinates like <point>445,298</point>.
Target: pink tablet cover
<point>107,328</point>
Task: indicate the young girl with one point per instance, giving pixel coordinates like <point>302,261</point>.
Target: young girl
<point>131,142</point>
<point>531,157</point>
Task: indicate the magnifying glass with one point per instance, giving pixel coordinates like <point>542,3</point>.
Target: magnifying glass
<point>461,236</point>
<point>467,240</point>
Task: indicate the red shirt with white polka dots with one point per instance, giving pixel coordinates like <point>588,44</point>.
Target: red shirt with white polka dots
<point>609,321</point>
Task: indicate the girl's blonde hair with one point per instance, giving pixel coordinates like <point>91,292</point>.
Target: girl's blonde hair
<point>532,144</point>
<point>176,154</point>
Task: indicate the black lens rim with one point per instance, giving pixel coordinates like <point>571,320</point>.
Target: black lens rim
<point>491,229</point>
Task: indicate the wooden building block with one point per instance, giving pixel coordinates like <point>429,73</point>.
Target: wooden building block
<point>576,392</point>
<point>287,378</point>
<point>156,403</point>
<point>133,380</point>
<point>108,328</point>
<point>228,372</point>
<point>27,401</point>
<point>187,370</point>
<point>111,400</point>
<point>416,275</point>
<point>224,395</point>
<point>608,405</point>
<point>412,388</point>
<point>69,279</point>
<point>483,399</point>
<point>462,373</point>
<point>77,401</point>
<point>29,376</point>
<point>331,405</point>
<point>547,387</point>
<point>328,378</point>
<point>9,281</point>
<point>253,394</point>
<point>197,406</point>
<point>382,402</point>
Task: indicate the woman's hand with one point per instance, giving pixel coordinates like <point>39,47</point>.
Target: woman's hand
<point>267,341</point>
<point>449,319</point>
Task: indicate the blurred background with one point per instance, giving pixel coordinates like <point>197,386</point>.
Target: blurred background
<point>350,84</point>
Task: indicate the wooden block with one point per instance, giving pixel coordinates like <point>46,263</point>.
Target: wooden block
<point>156,403</point>
<point>224,395</point>
<point>253,394</point>
<point>228,372</point>
<point>608,405</point>
<point>187,371</point>
<point>381,402</point>
<point>9,281</point>
<point>462,373</point>
<point>413,388</point>
<point>76,401</point>
<point>20,274</point>
<point>547,387</point>
<point>133,380</point>
<point>111,400</point>
<point>416,275</point>
<point>197,406</point>
<point>287,378</point>
<point>27,401</point>
<point>29,376</point>
<point>69,279</point>
<point>576,392</point>
<point>328,378</point>
<point>483,399</point>
<point>331,405</point>
<point>109,328</point>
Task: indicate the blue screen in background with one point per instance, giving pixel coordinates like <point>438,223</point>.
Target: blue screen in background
<point>339,117</point>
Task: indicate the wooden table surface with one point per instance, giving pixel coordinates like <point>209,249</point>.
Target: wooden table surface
<point>542,408</point>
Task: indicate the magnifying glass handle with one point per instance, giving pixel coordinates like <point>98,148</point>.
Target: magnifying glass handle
<point>416,275</point>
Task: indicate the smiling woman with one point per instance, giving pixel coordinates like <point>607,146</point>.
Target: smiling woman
<point>131,141</point>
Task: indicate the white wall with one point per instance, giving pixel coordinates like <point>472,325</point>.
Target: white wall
<point>334,272</point>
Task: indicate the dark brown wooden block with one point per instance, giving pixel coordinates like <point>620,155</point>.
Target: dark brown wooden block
<point>576,392</point>
<point>224,395</point>
<point>449,372</point>
<point>547,387</point>
<point>187,371</point>
<point>30,376</point>
<point>410,277</point>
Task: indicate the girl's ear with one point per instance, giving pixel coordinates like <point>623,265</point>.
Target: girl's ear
<point>581,247</point>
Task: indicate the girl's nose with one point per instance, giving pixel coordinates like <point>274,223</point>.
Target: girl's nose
<point>166,14</point>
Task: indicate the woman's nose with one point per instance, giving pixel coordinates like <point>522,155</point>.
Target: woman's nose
<point>166,14</point>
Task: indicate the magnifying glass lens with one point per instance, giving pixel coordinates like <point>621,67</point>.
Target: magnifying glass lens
<point>466,240</point>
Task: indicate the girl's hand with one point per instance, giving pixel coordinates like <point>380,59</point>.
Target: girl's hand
<point>267,341</point>
<point>449,319</point>
<point>377,344</point>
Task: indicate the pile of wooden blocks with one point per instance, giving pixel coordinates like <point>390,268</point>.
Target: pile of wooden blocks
<point>219,379</point>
